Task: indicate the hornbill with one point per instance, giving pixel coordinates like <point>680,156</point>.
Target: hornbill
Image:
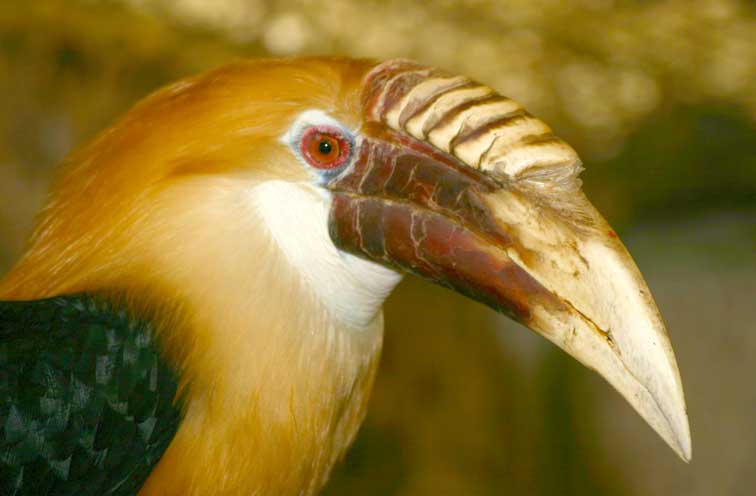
<point>199,309</point>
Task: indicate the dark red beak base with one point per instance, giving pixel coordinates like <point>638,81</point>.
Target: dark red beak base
<point>411,207</point>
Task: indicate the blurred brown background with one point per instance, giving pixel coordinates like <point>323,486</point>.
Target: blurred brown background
<point>659,98</point>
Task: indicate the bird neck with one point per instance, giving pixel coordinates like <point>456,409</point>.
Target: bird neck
<point>276,411</point>
<point>275,387</point>
<point>281,439</point>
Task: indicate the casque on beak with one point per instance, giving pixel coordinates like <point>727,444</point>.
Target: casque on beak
<point>461,186</point>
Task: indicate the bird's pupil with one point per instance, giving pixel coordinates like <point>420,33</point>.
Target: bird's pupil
<point>325,147</point>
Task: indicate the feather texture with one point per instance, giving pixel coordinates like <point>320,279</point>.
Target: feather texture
<point>157,213</point>
<point>87,401</point>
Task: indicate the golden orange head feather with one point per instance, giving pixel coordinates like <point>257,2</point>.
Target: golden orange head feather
<point>105,205</point>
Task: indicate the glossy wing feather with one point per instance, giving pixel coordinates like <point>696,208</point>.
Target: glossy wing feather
<point>87,404</point>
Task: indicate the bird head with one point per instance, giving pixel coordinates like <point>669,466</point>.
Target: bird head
<point>303,189</point>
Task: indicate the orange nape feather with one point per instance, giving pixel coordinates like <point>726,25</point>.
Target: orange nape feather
<point>226,122</point>
<point>156,211</point>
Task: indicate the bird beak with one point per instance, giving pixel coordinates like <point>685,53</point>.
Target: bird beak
<point>460,186</point>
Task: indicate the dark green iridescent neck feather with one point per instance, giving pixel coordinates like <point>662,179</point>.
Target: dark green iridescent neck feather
<point>86,401</point>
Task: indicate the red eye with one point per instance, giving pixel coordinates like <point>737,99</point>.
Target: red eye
<point>325,147</point>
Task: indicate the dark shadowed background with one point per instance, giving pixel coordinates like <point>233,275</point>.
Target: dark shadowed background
<point>658,97</point>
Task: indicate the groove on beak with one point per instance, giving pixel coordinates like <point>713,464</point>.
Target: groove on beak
<point>462,187</point>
